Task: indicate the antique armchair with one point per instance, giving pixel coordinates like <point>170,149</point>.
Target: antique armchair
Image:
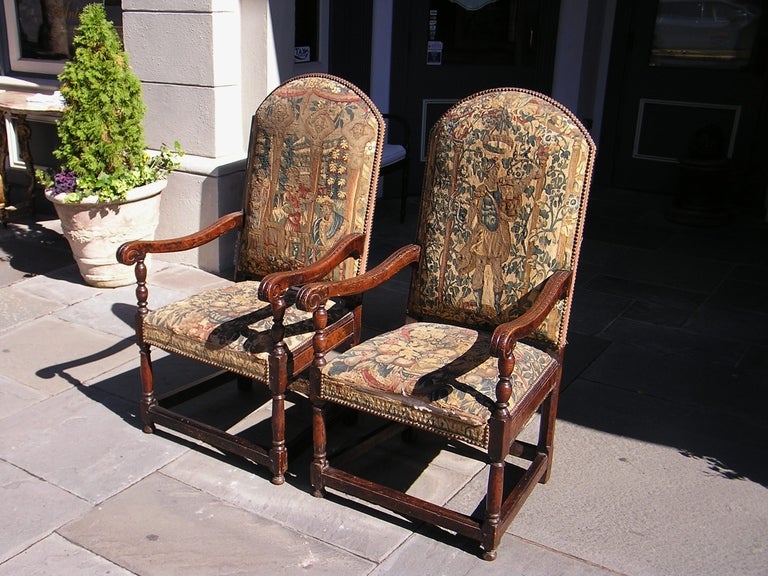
<point>505,191</point>
<point>309,192</point>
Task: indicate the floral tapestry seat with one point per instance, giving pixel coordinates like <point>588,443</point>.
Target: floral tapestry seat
<point>229,328</point>
<point>431,375</point>
<point>308,199</point>
<point>502,210</point>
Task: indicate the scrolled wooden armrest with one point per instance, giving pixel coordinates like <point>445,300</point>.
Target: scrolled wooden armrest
<point>274,285</point>
<point>131,252</point>
<point>506,335</point>
<point>313,295</point>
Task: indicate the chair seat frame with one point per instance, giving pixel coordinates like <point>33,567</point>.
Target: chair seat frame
<point>159,410</point>
<point>500,508</point>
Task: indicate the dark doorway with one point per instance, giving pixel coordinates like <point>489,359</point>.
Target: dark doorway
<point>444,50</point>
<point>349,41</point>
<point>687,82</point>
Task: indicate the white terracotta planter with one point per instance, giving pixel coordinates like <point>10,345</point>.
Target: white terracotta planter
<point>96,231</point>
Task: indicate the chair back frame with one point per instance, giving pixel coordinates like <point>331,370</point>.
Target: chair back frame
<point>313,159</point>
<point>502,209</point>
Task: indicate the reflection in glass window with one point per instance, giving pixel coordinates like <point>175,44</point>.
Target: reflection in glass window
<point>714,33</point>
<point>307,31</point>
<point>40,32</point>
<point>485,32</point>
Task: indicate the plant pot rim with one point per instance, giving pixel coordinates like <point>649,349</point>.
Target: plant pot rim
<point>133,195</point>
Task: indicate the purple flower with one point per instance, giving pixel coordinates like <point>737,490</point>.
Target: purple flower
<point>64,182</point>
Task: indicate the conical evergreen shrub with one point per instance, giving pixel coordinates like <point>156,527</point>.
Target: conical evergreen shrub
<point>102,151</point>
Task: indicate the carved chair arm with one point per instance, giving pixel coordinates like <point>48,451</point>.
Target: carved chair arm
<point>506,335</point>
<point>273,286</point>
<point>314,295</point>
<point>132,252</point>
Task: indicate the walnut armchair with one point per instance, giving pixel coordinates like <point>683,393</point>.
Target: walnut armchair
<point>310,185</point>
<point>503,204</point>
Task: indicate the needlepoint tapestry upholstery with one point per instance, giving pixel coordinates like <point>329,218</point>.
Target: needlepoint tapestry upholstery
<point>503,185</point>
<point>312,164</point>
<point>433,376</point>
<point>230,328</point>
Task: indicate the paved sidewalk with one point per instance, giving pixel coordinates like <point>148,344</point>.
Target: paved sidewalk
<point>661,462</point>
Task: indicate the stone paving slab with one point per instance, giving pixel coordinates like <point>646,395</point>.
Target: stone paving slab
<point>164,527</point>
<point>681,271</point>
<point>62,285</point>
<point>185,279</point>
<point>429,554</point>
<point>17,307</point>
<point>170,371</point>
<point>29,252</point>
<point>31,508</point>
<point>85,442</point>
<point>15,397</point>
<point>113,311</point>
<point>351,528</point>
<point>73,355</point>
<point>55,555</point>
<point>645,509</point>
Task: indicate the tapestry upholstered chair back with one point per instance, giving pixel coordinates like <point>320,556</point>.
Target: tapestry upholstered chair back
<point>503,188</point>
<point>313,159</point>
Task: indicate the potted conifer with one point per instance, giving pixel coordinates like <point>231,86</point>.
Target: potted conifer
<point>107,188</point>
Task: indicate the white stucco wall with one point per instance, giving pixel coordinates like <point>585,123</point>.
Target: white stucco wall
<point>205,65</point>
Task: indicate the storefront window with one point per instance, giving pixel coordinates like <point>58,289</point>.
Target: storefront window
<point>307,31</point>
<point>716,33</point>
<point>483,31</point>
<point>40,32</point>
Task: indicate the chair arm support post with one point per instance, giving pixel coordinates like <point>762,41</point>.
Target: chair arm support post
<point>506,335</point>
<point>273,286</point>
<point>142,296</point>
<point>320,319</point>
<point>315,294</point>
<point>498,448</point>
<point>130,252</point>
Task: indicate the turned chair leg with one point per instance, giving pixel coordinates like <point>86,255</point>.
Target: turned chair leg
<point>320,457</point>
<point>278,454</point>
<point>148,399</point>
<point>547,430</point>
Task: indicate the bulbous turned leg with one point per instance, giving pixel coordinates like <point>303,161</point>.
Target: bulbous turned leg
<point>278,479</point>
<point>148,399</point>
<point>319,460</point>
<point>318,491</point>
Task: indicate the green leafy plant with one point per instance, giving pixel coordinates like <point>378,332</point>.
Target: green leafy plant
<point>102,151</point>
